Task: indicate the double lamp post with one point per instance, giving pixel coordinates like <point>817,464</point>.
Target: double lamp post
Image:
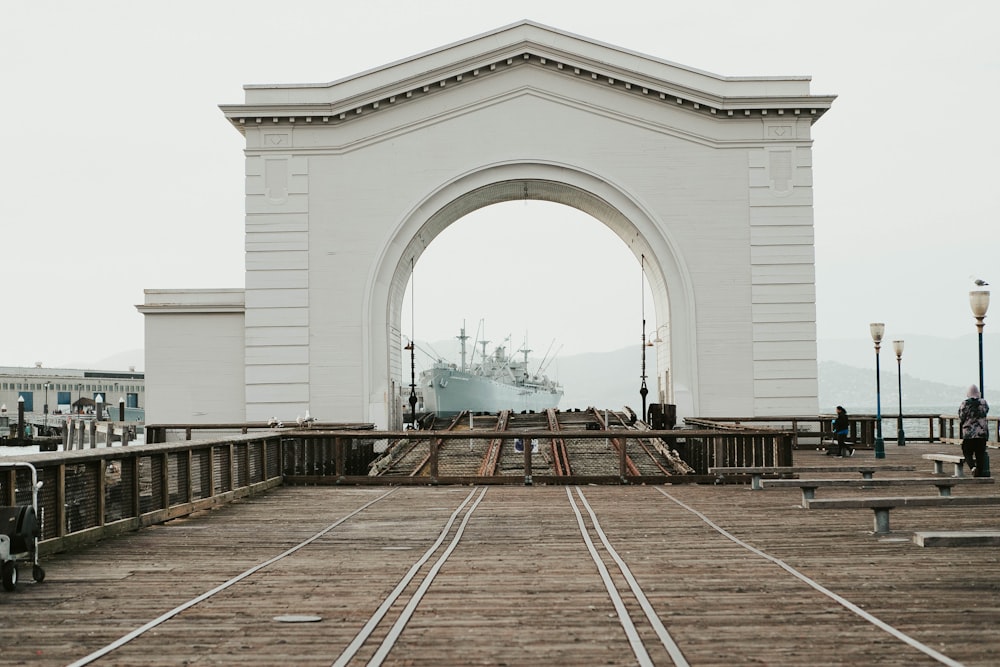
<point>980,302</point>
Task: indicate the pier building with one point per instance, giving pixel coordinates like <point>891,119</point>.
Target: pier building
<point>707,178</point>
<point>56,390</point>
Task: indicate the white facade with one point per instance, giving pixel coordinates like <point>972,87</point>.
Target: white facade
<point>708,179</point>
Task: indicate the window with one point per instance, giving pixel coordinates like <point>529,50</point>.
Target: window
<point>29,401</point>
<point>132,400</point>
<point>64,398</point>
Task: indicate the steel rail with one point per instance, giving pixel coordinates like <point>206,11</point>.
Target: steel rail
<point>359,640</point>
<point>647,608</point>
<point>847,604</point>
<point>86,660</point>
<point>491,459</point>
<point>437,442</point>
<point>634,640</point>
<point>560,457</point>
<point>646,446</point>
<point>397,628</point>
<point>616,444</point>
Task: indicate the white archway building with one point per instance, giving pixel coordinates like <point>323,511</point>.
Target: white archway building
<point>707,178</point>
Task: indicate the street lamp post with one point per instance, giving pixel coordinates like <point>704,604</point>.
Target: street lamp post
<point>45,409</point>
<point>413,385</point>
<point>643,390</point>
<point>877,330</point>
<point>980,302</point>
<point>897,346</point>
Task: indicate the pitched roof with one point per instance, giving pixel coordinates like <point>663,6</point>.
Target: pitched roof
<point>527,43</point>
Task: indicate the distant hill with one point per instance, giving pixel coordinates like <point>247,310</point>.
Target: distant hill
<point>611,379</point>
<point>855,389</point>
<point>951,361</point>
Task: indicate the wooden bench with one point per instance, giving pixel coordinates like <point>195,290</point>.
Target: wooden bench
<point>940,459</point>
<point>882,506</point>
<point>757,472</point>
<point>957,538</point>
<point>809,486</point>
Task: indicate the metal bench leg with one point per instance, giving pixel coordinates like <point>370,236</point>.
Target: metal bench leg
<point>808,493</point>
<point>755,482</point>
<point>958,470</point>
<point>881,520</point>
<point>944,489</point>
<point>938,467</point>
<point>867,474</point>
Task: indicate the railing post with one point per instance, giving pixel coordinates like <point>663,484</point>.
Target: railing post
<point>211,470</point>
<point>189,464</point>
<point>338,453</point>
<point>435,447</point>
<point>165,481</point>
<point>10,498</point>
<point>233,468</point>
<point>61,500</point>
<point>622,460</point>
<point>101,471</point>
<point>136,469</point>
<point>527,461</point>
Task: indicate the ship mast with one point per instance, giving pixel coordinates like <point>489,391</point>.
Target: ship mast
<point>462,337</point>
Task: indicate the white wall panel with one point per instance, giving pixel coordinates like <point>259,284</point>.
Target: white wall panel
<point>720,205</point>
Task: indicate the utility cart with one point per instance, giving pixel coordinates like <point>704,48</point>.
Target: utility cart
<point>19,530</point>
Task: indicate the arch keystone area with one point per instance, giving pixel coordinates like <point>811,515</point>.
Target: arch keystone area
<point>707,178</point>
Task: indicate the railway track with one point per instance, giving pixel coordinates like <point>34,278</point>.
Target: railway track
<point>384,629</point>
<point>448,577</point>
<point>502,456</point>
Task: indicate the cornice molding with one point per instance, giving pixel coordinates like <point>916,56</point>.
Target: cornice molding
<point>589,68</point>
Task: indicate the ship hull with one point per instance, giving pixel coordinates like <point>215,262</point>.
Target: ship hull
<point>450,391</point>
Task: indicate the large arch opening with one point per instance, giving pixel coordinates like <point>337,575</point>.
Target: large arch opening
<point>671,316</point>
<point>540,277</point>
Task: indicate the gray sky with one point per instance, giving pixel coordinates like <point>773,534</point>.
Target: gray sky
<point>120,173</point>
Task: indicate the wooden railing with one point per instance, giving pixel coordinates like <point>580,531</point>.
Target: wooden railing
<point>814,431</point>
<point>94,494</point>
<point>950,430</point>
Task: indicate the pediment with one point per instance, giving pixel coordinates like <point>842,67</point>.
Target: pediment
<point>532,45</point>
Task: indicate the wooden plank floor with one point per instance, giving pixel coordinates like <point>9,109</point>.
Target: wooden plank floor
<point>521,587</point>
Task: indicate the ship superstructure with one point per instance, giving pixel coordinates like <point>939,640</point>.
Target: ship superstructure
<point>497,381</point>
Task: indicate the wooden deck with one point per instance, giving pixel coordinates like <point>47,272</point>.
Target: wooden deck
<point>521,586</point>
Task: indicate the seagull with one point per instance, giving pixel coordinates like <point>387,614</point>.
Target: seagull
<point>980,282</point>
<point>272,422</point>
<point>308,419</point>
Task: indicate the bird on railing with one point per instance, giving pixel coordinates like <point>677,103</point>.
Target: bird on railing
<point>306,420</point>
<point>274,423</point>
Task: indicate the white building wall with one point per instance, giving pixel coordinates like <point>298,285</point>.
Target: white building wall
<point>194,356</point>
<point>708,178</point>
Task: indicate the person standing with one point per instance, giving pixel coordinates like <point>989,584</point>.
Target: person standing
<point>975,430</point>
<point>841,426</point>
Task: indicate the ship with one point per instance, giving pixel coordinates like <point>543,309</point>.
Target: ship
<point>495,382</point>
